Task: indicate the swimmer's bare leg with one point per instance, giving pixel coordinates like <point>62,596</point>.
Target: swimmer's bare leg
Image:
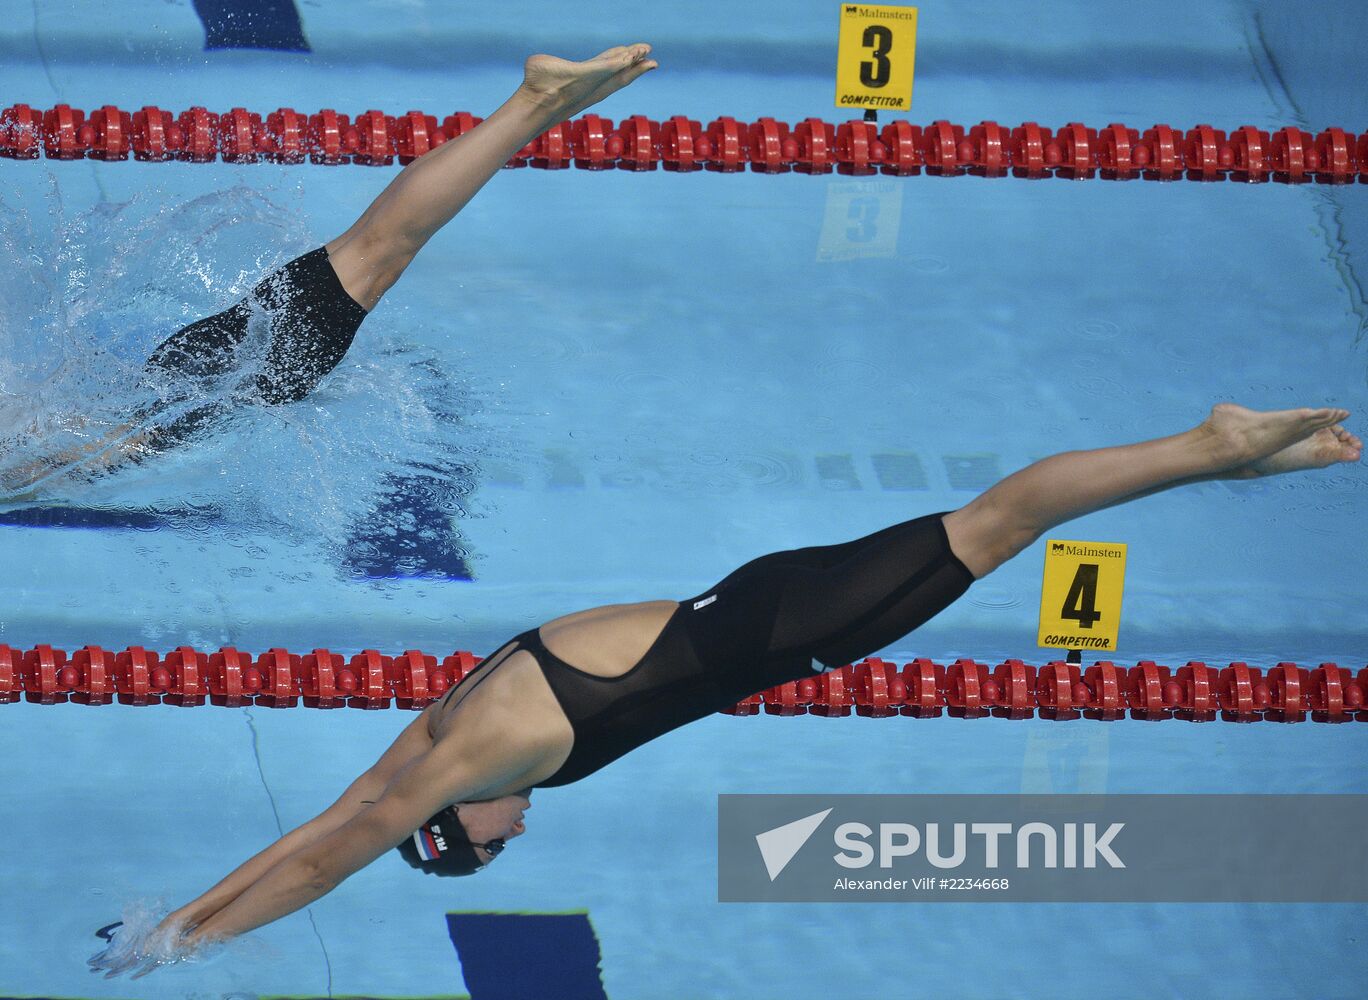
<point>1232,443</point>
<point>370,256</point>
<point>99,454</point>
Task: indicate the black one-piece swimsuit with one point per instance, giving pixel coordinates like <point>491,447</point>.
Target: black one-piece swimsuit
<point>762,626</point>
<point>311,322</point>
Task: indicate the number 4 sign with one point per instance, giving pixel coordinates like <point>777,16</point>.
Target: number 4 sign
<point>1080,599</point>
<point>875,56</point>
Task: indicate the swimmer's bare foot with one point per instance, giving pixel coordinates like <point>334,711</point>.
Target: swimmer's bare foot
<point>562,89</point>
<point>1326,446</point>
<point>1242,438</point>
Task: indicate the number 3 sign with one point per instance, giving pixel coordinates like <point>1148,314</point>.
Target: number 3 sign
<point>1080,600</point>
<point>875,57</point>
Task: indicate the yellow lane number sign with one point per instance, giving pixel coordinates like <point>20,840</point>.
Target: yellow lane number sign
<point>874,57</point>
<point>1080,599</point>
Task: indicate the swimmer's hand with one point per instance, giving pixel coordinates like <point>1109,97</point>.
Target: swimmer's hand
<point>137,947</point>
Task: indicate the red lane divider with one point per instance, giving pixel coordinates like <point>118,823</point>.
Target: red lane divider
<point>966,689</point>
<point>1288,155</point>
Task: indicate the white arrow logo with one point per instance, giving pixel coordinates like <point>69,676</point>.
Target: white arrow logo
<point>778,846</point>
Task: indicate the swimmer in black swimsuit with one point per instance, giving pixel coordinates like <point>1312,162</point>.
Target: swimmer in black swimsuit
<point>557,703</point>
<point>313,305</point>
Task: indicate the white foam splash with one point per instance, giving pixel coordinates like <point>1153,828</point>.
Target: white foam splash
<point>143,945</point>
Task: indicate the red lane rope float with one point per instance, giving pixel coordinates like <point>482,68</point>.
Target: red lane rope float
<point>875,688</point>
<point>1288,155</point>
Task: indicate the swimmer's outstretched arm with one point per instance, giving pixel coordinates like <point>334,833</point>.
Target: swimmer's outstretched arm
<point>414,780</point>
<point>411,744</point>
<point>422,788</point>
<point>427,194</point>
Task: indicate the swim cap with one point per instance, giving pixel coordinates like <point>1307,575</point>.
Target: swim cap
<point>441,847</point>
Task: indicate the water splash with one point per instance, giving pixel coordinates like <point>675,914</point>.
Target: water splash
<point>136,945</point>
<point>140,945</point>
<point>96,294</point>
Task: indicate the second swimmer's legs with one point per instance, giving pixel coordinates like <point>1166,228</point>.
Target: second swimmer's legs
<point>370,256</point>
<point>1232,443</point>
<point>316,303</point>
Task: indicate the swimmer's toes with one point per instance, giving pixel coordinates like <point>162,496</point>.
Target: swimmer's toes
<point>1350,447</point>
<point>1326,446</point>
<point>1329,417</point>
<point>566,88</point>
<point>1312,420</point>
<point>635,52</point>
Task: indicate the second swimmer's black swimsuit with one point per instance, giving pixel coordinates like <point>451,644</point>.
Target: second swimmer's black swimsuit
<point>310,321</point>
<point>761,626</point>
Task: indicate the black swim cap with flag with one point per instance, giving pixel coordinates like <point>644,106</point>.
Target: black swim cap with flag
<point>441,847</point>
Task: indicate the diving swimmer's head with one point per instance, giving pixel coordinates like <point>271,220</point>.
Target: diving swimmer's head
<point>444,845</point>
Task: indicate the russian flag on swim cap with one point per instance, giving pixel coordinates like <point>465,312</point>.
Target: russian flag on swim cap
<point>440,847</point>
<point>427,844</point>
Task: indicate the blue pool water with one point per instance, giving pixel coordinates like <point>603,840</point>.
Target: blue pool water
<point>609,387</point>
